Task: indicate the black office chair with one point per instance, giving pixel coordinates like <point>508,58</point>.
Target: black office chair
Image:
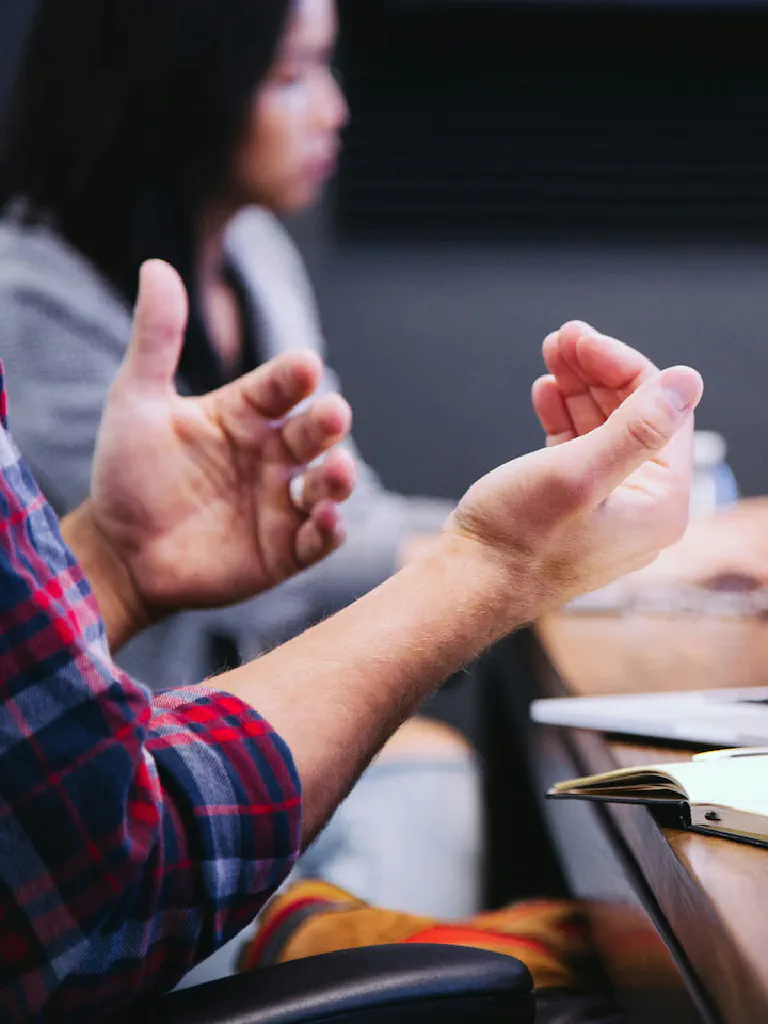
<point>398,984</point>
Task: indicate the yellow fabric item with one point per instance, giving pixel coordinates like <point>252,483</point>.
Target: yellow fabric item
<point>549,936</point>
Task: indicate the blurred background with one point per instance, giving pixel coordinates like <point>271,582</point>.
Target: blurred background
<point>520,164</point>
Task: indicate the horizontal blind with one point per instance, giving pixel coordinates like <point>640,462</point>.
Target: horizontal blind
<point>484,119</point>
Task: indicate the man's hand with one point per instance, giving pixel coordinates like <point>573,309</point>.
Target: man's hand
<point>588,374</point>
<point>193,494</point>
<point>611,490</point>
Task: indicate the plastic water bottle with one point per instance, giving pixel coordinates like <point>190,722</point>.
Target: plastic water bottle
<point>713,485</point>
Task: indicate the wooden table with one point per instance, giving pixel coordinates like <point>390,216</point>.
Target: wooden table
<point>682,919</point>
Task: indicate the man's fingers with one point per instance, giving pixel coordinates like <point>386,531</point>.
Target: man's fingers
<point>549,405</point>
<point>159,323</point>
<point>614,370</point>
<point>602,361</point>
<point>594,371</point>
<point>324,486</point>
<point>570,382</point>
<point>584,412</point>
<point>312,432</point>
<point>655,418</point>
<point>320,535</point>
<point>333,479</point>
<point>270,392</point>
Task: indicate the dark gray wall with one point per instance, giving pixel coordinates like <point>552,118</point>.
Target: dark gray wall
<point>14,18</point>
<point>437,346</point>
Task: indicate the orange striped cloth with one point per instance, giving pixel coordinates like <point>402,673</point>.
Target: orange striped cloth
<point>549,936</point>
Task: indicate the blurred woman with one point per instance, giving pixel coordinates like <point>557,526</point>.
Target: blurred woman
<point>175,129</point>
<point>179,129</point>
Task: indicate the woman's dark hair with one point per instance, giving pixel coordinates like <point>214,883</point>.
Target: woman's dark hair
<point>124,119</point>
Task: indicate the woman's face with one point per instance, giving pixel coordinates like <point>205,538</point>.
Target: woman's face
<point>291,143</point>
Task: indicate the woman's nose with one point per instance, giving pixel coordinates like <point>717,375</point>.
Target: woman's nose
<point>333,110</point>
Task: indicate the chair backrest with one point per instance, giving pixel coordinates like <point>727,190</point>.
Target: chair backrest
<point>403,984</point>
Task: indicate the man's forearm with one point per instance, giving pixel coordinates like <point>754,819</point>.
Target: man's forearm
<point>336,693</point>
<point>118,601</point>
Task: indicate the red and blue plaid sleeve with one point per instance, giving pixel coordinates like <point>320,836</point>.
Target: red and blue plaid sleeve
<point>137,834</point>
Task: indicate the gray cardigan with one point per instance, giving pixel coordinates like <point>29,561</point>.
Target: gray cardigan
<point>63,332</point>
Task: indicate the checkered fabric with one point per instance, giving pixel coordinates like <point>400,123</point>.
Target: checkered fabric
<point>138,831</point>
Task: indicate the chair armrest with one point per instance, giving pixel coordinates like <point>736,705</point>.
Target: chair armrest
<point>409,984</point>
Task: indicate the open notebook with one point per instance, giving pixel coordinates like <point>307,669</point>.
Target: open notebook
<point>722,793</point>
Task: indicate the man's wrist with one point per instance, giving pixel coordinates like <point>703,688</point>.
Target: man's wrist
<point>496,596</point>
<point>119,600</point>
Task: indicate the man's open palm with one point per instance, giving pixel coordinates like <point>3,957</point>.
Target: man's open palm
<point>194,493</point>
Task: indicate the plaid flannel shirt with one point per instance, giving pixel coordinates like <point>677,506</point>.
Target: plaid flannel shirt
<point>138,832</point>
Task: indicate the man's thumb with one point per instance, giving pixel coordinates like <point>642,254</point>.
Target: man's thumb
<point>648,422</point>
<point>159,323</point>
